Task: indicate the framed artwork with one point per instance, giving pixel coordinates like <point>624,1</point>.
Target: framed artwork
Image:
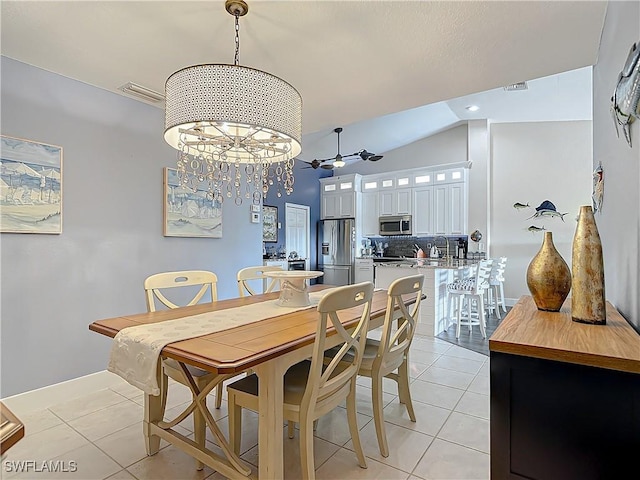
<point>269,223</point>
<point>188,213</point>
<point>30,186</point>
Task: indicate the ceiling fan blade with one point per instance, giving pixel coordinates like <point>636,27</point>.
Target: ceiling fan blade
<point>375,158</point>
<point>327,166</point>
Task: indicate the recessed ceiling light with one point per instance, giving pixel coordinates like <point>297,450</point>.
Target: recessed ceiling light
<point>473,108</point>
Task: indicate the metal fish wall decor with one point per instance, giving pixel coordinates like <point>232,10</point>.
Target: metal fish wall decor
<point>598,189</point>
<point>625,102</point>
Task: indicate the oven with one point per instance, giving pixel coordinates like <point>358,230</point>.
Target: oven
<point>297,264</point>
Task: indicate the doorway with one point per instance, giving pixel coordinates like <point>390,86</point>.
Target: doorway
<point>297,219</point>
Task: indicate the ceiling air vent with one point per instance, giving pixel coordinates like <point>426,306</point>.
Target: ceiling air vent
<point>141,92</point>
<point>516,86</point>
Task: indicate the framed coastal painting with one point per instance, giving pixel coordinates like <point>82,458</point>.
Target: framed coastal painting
<point>189,213</point>
<point>269,223</point>
<point>30,186</point>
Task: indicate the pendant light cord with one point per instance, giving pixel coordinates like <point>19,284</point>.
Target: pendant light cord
<point>236,60</point>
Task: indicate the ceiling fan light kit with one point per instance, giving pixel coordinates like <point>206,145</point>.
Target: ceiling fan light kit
<point>230,121</point>
<point>338,160</point>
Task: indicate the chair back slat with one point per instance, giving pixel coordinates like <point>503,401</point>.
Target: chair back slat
<point>482,276</point>
<point>328,377</point>
<point>156,285</point>
<point>395,343</point>
<point>255,273</point>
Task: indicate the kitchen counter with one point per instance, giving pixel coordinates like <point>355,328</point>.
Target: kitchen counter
<point>433,263</point>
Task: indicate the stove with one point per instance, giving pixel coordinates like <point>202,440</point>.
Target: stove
<point>298,264</point>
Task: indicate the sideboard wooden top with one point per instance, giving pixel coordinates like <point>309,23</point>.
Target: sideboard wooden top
<point>554,336</point>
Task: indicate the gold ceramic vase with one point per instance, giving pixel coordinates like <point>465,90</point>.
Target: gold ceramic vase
<point>548,277</point>
<point>587,267</point>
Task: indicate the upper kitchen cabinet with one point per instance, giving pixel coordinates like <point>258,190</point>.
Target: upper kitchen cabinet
<point>339,196</point>
<point>450,203</point>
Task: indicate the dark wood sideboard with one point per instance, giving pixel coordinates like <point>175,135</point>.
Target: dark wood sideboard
<point>565,396</point>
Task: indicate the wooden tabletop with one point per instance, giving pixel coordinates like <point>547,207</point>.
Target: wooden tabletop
<point>236,349</point>
<point>554,336</point>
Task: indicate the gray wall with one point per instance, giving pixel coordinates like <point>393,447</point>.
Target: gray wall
<point>54,286</point>
<point>619,223</point>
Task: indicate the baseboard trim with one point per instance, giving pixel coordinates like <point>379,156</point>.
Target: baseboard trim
<point>45,397</point>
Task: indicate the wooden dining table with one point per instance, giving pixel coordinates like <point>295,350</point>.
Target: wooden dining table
<point>268,347</point>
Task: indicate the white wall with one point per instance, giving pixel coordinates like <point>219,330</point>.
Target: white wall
<point>533,162</point>
<point>449,146</point>
<point>619,222</point>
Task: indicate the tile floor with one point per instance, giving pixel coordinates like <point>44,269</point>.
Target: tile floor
<point>102,431</point>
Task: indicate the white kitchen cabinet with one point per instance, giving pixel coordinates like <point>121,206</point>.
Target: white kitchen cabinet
<point>423,211</point>
<point>395,202</point>
<point>450,209</point>
<point>370,224</point>
<point>339,196</point>
<point>363,270</point>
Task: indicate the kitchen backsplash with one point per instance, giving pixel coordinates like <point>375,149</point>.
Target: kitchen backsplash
<point>405,245</point>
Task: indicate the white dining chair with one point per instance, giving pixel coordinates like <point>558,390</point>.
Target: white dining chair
<point>496,284</point>
<point>157,288</point>
<point>314,387</point>
<point>246,275</point>
<point>389,356</point>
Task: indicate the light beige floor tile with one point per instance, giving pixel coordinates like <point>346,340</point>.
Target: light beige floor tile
<point>435,394</point>
<point>92,402</point>
<point>38,421</point>
<point>127,446</point>
<point>416,368</point>
<point>484,370</point>
<point>344,465</point>
<point>472,432</point>
<point>474,404</point>
<point>46,444</point>
<point>450,378</point>
<point>126,390</point>
<point>388,386</point>
<point>479,384</point>
<point>448,461</point>
<point>334,426</point>
<point>456,351</point>
<point>121,475</point>
<point>168,464</point>
<point>86,463</point>
<point>422,356</point>
<point>322,451</point>
<point>430,344</point>
<point>429,419</point>
<point>464,365</point>
<point>406,447</point>
<point>108,420</point>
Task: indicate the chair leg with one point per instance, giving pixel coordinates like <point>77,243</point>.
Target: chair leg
<point>353,424</point>
<point>219,395</point>
<point>403,388</point>
<point>235,422</point>
<point>291,427</point>
<point>459,316</point>
<point>306,446</point>
<point>504,307</point>
<point>378,415</point>
<point>481,316</point>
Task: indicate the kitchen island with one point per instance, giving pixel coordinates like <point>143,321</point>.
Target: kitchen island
<point>434,312</point>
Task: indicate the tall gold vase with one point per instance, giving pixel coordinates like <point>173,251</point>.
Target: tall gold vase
<point>587,266</point>
<point>548,277</point>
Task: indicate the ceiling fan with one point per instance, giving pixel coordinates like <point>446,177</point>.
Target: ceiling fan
<point>338,160</point>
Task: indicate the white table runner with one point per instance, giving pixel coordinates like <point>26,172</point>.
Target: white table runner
<point>136,350</point>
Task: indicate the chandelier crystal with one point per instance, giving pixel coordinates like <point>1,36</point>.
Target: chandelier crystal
<point>236,129</point>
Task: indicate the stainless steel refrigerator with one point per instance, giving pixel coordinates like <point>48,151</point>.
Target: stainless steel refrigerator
<point>337,250</point>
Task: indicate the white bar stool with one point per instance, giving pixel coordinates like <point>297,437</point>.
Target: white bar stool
<point>471,290</point>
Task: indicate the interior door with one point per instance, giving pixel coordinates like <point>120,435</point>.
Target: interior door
<point>298,231</point>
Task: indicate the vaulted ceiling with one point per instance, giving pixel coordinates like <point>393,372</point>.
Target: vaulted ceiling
<point>352,61</point>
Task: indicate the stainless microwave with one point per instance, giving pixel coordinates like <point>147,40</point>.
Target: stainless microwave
<point>400,225</point>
